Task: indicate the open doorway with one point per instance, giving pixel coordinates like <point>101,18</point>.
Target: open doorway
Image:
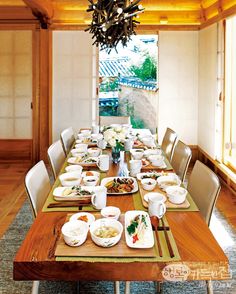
<point>128,81</point>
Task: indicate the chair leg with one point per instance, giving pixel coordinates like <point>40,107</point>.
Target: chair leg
<point>209,287</point>
<point>127,287</point>
<point>117,287</point>
<point>35,287</point>
<point>158,287</point>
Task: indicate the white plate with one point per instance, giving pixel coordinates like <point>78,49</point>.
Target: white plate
<point>90,216</point>
<point>148,239</point>
<point>106,180</point>
<point>147,199</point>
<point>58,194</point>
<point>71,160</point>
<point>94,173</point>
<point>140,175</point>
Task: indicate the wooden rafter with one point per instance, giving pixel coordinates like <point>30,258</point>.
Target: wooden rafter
<point>43,10</point>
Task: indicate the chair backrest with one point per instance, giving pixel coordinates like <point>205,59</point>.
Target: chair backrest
<point>56,156</point>
<point>108,120</point>
<point>168,142</point>
<point>37,184</point>
<point>180,159</point>
<point>204,187</point>
<point>67,139</point>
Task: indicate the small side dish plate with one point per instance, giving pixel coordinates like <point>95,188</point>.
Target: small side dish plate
<point>138,235</point>
<point>83,216</point>
<point>90,161</point>
<point>58,194</point>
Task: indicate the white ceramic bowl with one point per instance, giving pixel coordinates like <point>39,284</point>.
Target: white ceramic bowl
<point>111,212</point>
<point>77,152</point>
<point>150,152</point>
<point>75,167</point>
<point>156,160</point>
<point>81,148</point>
<point>148,141</point>
<point>94,152</point>
<point>167,181</point>
<point>75,232</point>
<point>137,154</point>
<point>70,179</point>
<point>79,216</point>
<point>86,133</point>
<point>96,137</point>
<point>148,184</point>
<point>107,222</point>
<point>176,194</point>
<point>90,180</point>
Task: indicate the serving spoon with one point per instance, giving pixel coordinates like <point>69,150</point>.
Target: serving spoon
<point>155,223</point>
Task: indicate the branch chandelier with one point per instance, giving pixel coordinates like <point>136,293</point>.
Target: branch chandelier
<point>113,21</point>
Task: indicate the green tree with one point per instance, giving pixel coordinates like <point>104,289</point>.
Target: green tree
<point>147,70</point>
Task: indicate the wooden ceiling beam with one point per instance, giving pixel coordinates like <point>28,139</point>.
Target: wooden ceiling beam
<point>16,13</point>
<point>42,9</point>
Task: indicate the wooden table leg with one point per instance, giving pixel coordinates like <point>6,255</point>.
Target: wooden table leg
<point>127,287</point>
<point>209,287</point>
<point>117,287</point>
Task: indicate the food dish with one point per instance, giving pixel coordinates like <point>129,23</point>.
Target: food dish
<point>110,212</point>
<point>168,181</point>
<point>120,185</point>
<point>70,178</point>
<point>148,184</point>
<point>83,216</point>
<point>153,175</point>
<point>90,180</point>
<point>90,173</point>
<point>176,194</point>
<point>75,232</point>
<point>84,160</point>
<point>74,167</point>
<point>73,193</point>
<point>106,232</point>
<point>151,193</point>
<point>138,229</point>
<point>149,152</point>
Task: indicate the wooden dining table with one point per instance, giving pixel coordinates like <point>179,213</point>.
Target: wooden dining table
<point>197,247</point>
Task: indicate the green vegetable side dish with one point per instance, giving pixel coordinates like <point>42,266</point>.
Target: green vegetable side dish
<point>136,227</point>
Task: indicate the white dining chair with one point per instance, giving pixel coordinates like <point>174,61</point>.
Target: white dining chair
<point>56,156</point>
<point>204,187</point>
<point>108,120</point>
<point>168,142</point>
<point>38,186</point>
<point>67,139</point>
<point>180,159</point>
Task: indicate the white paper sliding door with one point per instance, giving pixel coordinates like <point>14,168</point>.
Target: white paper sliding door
<point>15,84</point>
<point>74,81</point>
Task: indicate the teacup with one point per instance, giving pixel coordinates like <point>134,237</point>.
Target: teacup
<point>156,205</point>
<point>137,153</point>
<point>128,144</point>
<point>103,162</point>
<point>135,167</point>
<point>99,199</point>
<point>95,129</point>
<point>102,144</point>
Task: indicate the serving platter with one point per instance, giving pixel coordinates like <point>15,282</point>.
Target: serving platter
<point>168,204</point>
<point>90,249</point>
<point>106,180</point>
<point>145,237</point>
<point>58,194</point>
<point>72,160</point>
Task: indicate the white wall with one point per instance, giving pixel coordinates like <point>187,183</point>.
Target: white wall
<point>74,81</point>
<point>207,89</point>
<point>178,84</point>
<point>15,84</point>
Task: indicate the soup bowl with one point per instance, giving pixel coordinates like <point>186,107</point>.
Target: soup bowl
<point>104,227</point>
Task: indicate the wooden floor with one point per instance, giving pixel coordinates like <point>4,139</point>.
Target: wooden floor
<point>12,195</point>
<point>12,191</point>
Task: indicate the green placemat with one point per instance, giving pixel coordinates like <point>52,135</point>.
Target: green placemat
<point>138,205</point>
<point>165,258</point>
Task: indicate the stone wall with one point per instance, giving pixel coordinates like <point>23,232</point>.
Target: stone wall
<point>141,105</point>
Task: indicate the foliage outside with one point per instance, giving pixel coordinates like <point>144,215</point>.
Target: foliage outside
<point>147,69</point>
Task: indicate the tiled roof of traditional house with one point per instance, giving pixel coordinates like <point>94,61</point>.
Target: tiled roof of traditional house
<point>114,68</point>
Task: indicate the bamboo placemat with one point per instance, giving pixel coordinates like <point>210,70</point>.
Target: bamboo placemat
<point>165,258</point>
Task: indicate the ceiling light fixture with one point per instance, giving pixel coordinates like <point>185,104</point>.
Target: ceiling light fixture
<point>113,21</point>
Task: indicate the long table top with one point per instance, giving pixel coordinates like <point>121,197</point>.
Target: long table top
<point>197,247</point>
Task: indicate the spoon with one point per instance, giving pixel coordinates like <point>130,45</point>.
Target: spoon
<point>155,223</point>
